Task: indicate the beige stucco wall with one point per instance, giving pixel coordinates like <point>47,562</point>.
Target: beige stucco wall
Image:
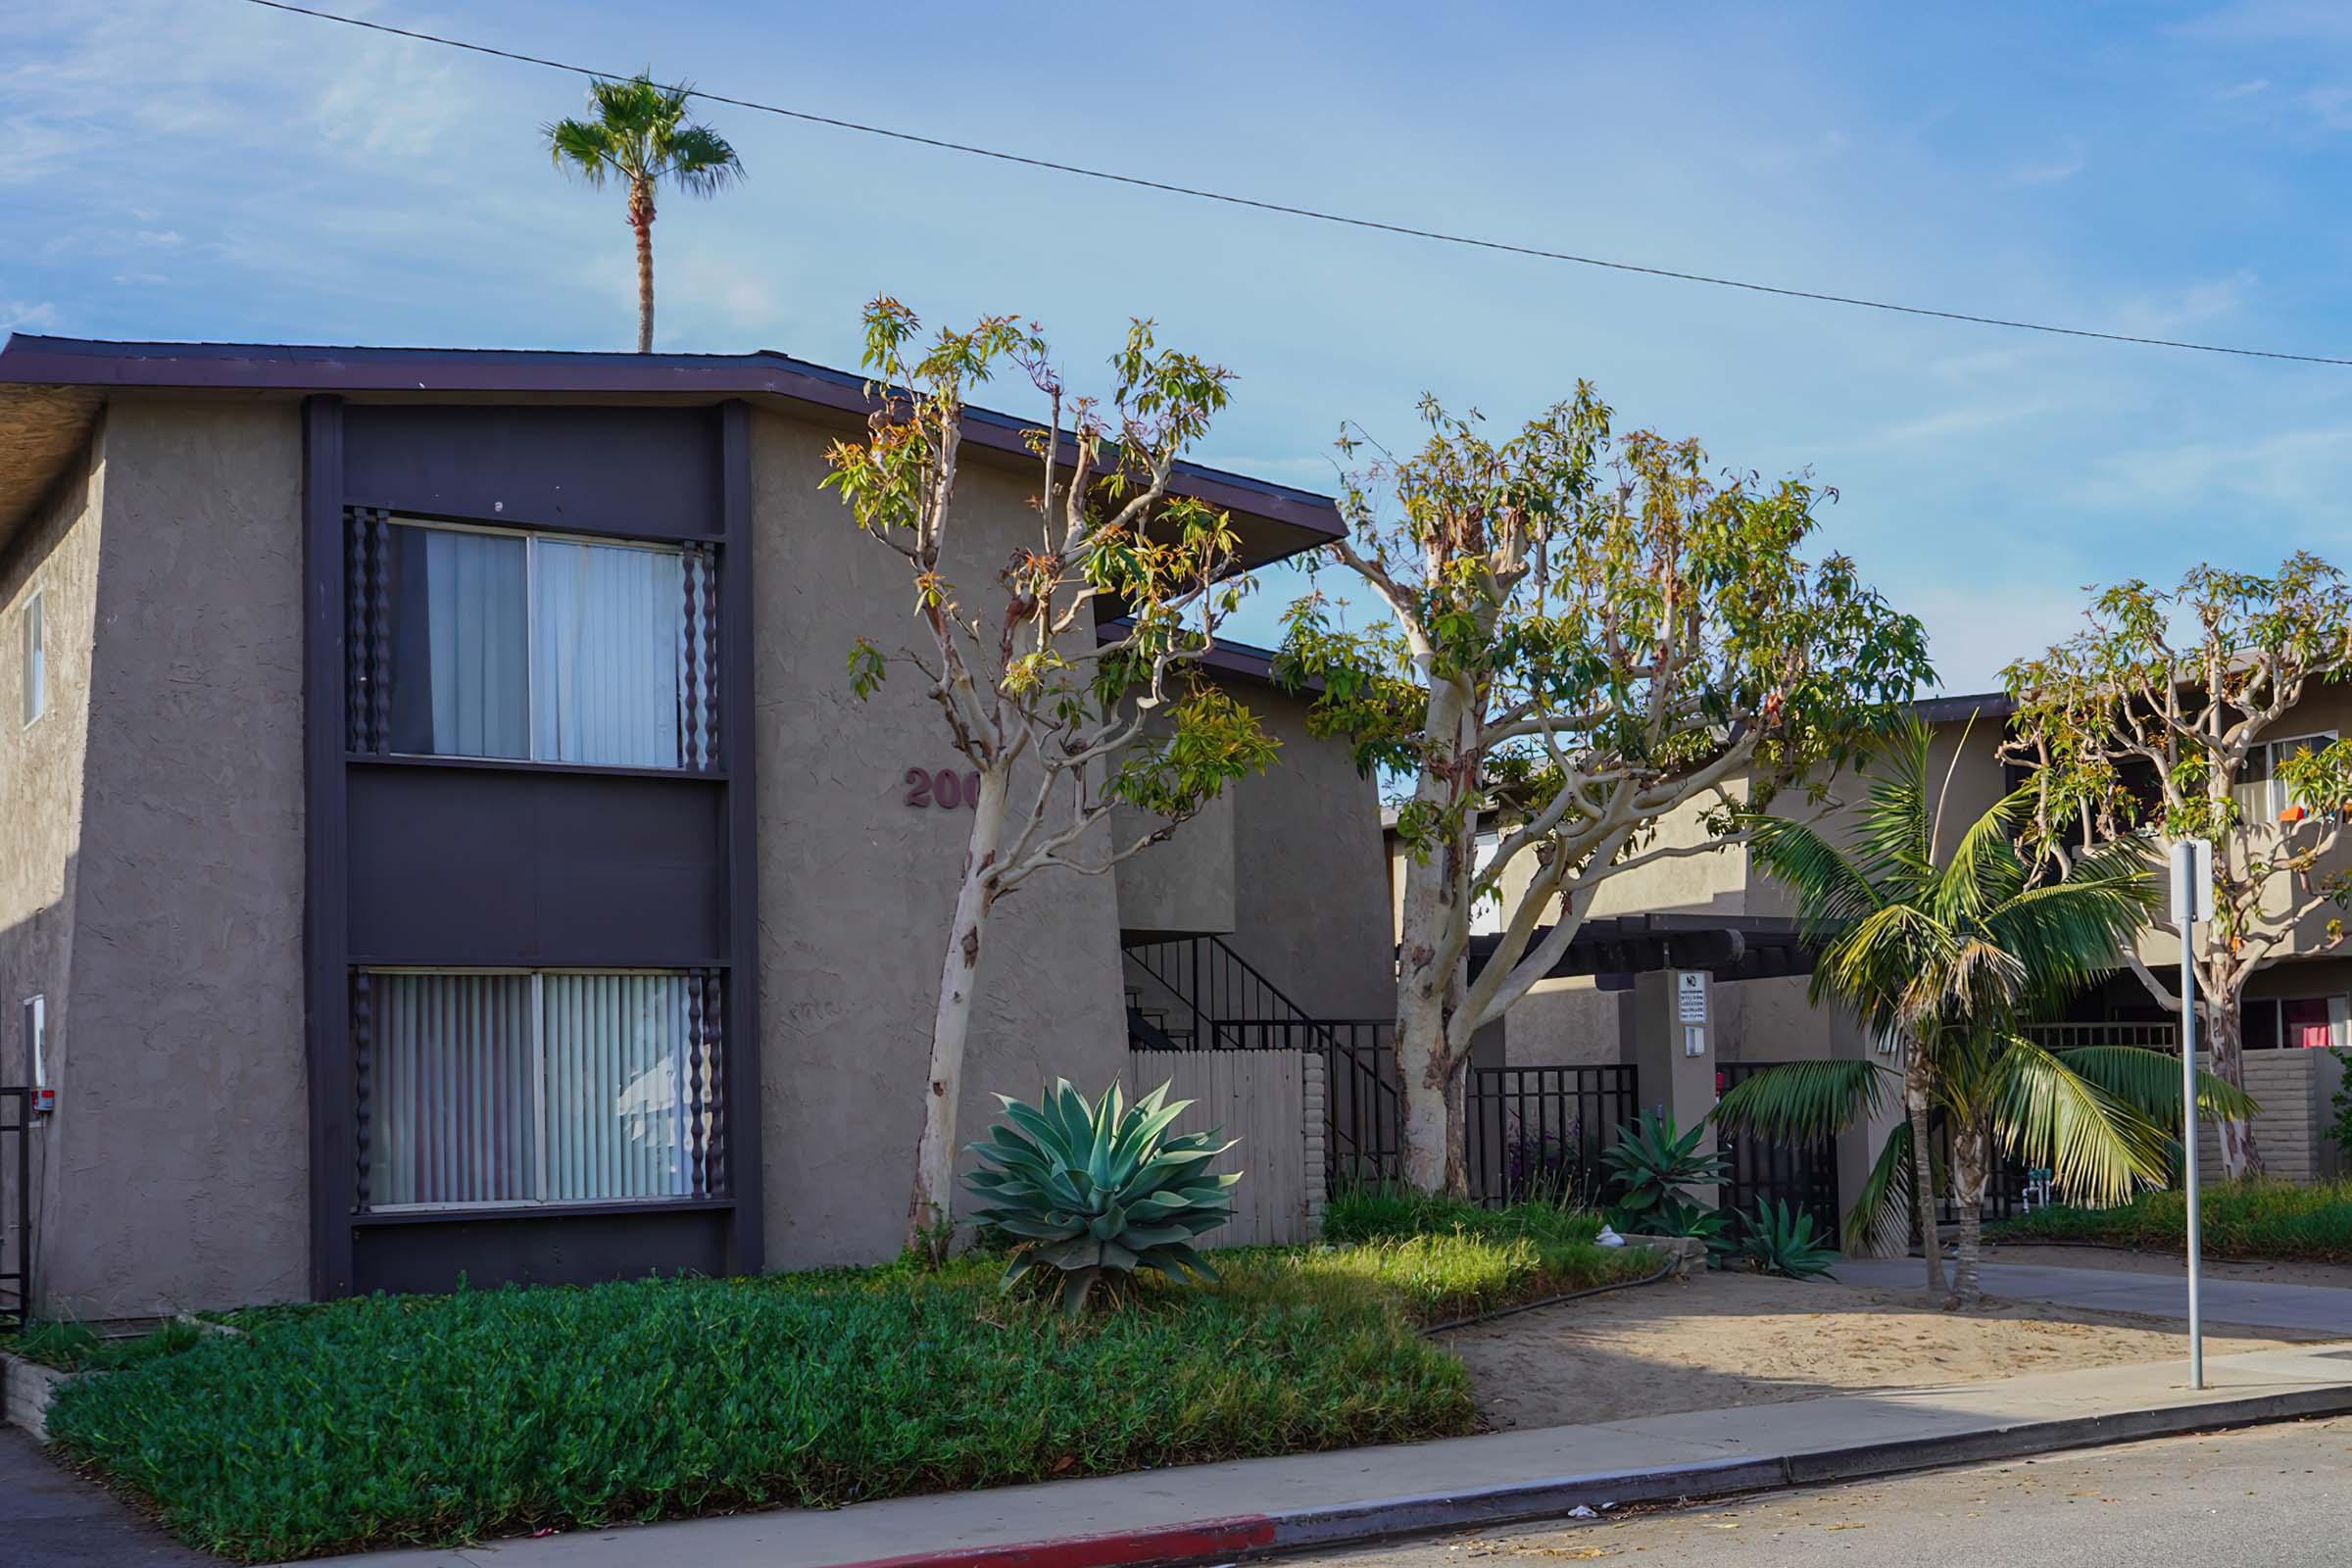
<point>177,1164</point>
<point>56,555</point>
<point>1184,885</point>
<point>856,888</point>
<point>1310,884</point>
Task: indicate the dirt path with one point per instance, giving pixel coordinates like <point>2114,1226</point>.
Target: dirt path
<point>1724,1339</point>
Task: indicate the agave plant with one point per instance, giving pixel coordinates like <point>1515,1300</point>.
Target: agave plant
<point>1089,1188</point>
<point>1653,1161</point>
<point>1779,1240</point>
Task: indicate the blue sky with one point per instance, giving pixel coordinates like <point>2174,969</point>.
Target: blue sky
<point>202,168</point>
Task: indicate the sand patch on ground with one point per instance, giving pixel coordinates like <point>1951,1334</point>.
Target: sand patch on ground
<point>1721,1340</point>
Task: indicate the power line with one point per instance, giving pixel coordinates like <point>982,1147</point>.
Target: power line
<point>1288,210</point>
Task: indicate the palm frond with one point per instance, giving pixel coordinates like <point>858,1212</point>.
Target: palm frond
<point>2097,1146</point>
<point>581,147</point>
<point>1832,890</point>
<point>1804,1102</point>
<point>2149,1082</point>
<point>1897,823</point>
<point>701,163</point>
<point>1880,1218</point>
<point>1983,871</point>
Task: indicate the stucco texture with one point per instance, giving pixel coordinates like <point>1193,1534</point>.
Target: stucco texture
<point>175,1166</point>
<point>857,887</point>
<point>1311,904</point>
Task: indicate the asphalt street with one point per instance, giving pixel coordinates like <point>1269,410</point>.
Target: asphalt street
<point>2272,1495</point>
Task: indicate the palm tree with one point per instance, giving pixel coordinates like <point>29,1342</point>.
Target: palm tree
<point>640,136</point>
<point>1948,960</point>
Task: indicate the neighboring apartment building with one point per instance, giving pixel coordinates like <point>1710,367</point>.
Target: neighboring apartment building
<point>441,840</point>
<point>2294,1007</point>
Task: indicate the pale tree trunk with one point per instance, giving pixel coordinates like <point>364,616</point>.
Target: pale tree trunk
<point>1421,1090</point>
<point>931,1206</point>
<point>1458,1123</point>
<point>641,219</point>
<point>2224,1044</point>
<point>1923,1167</point>
<point>1970,1168</point>
<point>1426,987</point>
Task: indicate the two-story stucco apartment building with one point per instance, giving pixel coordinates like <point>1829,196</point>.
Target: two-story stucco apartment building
<point>438,838</point>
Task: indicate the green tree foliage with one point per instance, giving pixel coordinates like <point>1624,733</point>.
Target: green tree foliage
<point>639,135</point>
<point>1063,720</point>
<point>1579,636</point>
<point>2164,714</point>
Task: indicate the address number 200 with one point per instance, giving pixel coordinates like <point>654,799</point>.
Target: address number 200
<point>946,789</point>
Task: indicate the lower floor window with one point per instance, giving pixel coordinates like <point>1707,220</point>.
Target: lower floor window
<point>552,1087</point>
<point>2308,1023</point>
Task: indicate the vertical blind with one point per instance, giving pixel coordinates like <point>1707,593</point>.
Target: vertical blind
<point>552,650</point>
<point>536,1088</point>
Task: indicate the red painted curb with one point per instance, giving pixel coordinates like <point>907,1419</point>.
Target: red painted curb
<point>1210,1540</point>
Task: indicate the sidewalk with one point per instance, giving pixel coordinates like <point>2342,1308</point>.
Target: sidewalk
<point>2251,1303</point>
<point>1216,1513</point>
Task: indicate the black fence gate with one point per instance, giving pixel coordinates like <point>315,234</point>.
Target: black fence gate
<point>1540,1132</point>
<point>16,1204</point>
<point>1804,1176</point>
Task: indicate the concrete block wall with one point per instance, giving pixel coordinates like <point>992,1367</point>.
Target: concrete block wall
<point>2291,1133</point>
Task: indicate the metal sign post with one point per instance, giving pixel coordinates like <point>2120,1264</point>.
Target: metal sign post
<point>2192,900</point>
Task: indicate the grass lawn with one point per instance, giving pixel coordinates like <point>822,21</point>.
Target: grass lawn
<point>2260,1220</point>
<point>436,1419</point>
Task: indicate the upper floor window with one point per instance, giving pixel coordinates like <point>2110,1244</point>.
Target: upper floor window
<point>36,661</point>
<point>535,648</point>
<point>2261,792</point>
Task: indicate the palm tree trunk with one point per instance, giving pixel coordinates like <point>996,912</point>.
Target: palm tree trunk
<point>641,219</point>
<point>1969,1171</point>
<point>1922,1168</point>
<point>644,286</point>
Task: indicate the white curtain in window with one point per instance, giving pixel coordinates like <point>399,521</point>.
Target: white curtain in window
<point>476,615</point>
<point>606,678</point>
<point>617,1095</point>
<point>452,1106</point>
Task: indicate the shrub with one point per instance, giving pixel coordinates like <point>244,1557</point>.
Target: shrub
<point>74,1347</point>
<point>1779,1240</point>
<point>1089,1187</point>
<point>1652,1163</point>
<point>1446,1258</point>
<point>2272,1220</point>
<point>411,1420</point>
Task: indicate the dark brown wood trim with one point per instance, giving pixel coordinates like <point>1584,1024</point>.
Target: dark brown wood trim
<point>327,999</point>
<point>541,1212</point>
<point>738,746</point>
<point>514,522</point>
<point>519,765</point>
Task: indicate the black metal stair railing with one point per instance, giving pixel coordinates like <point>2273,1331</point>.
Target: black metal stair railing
<point>1197,993</point>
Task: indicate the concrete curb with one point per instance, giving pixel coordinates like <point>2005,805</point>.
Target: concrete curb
<point>1250,1536</point>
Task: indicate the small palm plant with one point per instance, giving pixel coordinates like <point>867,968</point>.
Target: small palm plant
<point>1948,959</point>
<point>640,136</point>
<point>1095,1187</point>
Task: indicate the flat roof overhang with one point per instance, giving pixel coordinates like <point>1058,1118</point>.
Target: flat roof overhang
<point>1613,949</point>
<point>51,389</point>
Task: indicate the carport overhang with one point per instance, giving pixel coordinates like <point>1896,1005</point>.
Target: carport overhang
<point>1613,949</point>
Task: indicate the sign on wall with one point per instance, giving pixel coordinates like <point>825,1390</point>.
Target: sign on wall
<point>1690,996</point>
<point>946,789</point>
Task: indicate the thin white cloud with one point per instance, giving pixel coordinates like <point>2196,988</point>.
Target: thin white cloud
<point>2050,171</point>
<point>159,238</point>
<point>2246,90</point>
<point>21,315</point>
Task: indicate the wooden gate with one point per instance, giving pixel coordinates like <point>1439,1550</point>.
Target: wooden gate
<point>1272,1101</point>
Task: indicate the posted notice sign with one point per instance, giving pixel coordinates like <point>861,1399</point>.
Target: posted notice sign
<point>1690,996</point>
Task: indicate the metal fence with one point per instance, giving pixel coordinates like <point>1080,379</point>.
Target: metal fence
<point>1804,1176</point>
<point>16,1204</point>
<point>1541,1131</point>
